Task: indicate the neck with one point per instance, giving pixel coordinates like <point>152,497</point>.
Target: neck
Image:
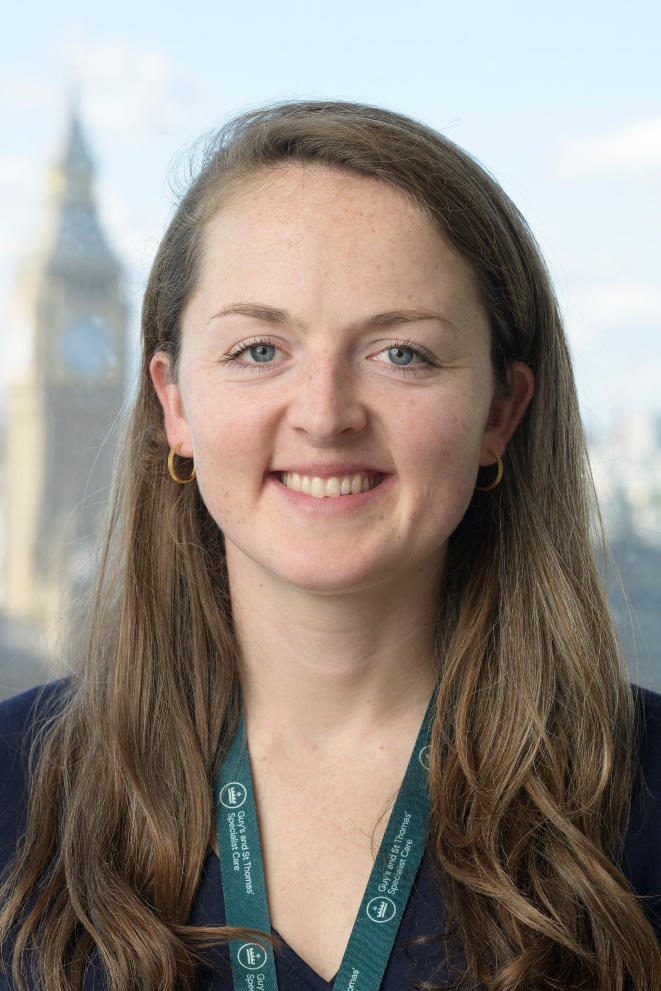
<point>317,665</point>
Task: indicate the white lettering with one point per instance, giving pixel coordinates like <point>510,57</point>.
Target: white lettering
<point>247,868</point>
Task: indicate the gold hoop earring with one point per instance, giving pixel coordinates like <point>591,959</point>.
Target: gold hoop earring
<point>173,474</point>
<point>496,481</point>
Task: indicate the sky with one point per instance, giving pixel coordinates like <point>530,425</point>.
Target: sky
<point>561,102</point>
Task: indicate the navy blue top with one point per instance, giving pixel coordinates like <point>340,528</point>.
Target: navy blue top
<point>425,911</point>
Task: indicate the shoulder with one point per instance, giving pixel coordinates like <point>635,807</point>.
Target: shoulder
<point>642,850</point>
<point>21,718</point>
<point>648,724</point>
<point>647,754</point>
<point>22,715</point>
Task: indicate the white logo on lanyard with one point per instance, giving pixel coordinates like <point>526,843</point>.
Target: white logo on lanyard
<point>423,757</point>
<point>252,956</point>
<point>381,909</point>
<point>233,795</point>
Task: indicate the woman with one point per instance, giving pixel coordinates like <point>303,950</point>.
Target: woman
<point>352,530</point>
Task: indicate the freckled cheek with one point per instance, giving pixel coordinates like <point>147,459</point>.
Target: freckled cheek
<point>438,453</point>
<point>439,431</point>
<point>231,442</point>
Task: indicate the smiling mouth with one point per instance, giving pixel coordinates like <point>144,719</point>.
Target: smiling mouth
<point>331,486</point>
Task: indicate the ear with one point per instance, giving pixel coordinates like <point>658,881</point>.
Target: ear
<point>506,414</point>
<point>176,423</point>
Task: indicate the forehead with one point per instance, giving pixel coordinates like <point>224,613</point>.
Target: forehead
<point>312,189</point>
<point>339,232</point>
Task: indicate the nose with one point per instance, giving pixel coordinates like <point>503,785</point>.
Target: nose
<point>325,405</point>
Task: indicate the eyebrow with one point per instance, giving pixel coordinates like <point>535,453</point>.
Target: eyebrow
<point>271,314</point>
<point>392,317</point>
<point>258,311</point>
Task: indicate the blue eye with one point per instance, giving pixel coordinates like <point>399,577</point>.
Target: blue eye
<point>400,356</point>
<point>262,352</point>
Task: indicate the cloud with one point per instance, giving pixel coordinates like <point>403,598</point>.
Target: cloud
<point>633,150</point>
<point>615,314</point>
<point>25,88</point>
<point>614,331</point>
<point>20,179</point>
<point>619,305</point>
<point>135,245</point>
<point>127,90</point>
<point>16,169</point>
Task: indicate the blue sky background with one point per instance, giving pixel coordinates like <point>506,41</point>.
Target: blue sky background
<point>562,102</point>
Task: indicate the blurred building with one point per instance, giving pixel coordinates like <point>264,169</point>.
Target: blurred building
<point>627,471</point>
<point>65,388</point>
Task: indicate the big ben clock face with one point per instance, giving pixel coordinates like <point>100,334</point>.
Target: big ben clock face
<point>87,347</point>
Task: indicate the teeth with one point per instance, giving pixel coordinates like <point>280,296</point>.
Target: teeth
<point>331,488</point>
<point>317,488</point>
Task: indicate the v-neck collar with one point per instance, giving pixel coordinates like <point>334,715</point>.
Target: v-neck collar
<point>424,916</point>
<point>298,969</point>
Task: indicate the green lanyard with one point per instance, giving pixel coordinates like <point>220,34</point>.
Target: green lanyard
<point>386,894</point>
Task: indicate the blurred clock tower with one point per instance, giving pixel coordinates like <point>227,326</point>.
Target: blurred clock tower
<point>65,390</point>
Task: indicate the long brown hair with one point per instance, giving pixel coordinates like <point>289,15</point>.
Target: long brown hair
<point>531,768</point>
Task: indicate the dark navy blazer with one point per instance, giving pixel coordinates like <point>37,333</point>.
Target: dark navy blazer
<point>424,913</point>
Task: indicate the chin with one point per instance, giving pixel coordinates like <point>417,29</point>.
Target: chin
<point>318,573</point>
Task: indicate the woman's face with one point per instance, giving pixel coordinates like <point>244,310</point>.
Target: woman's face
<point>335,386</point>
